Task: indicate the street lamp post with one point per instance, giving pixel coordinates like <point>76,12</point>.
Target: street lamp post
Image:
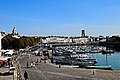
<point>13,75</point>
<point>18,70</point>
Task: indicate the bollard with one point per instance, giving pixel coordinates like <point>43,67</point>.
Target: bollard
<point>93,72</point>
<point>59,66</point>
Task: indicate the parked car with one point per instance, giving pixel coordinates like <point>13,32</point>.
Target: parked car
<point>11,69</point>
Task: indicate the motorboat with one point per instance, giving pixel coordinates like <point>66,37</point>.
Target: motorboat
<point>107,51</point>
<point>84,58</point>
<point>106,67</point>
<point>74,60</point>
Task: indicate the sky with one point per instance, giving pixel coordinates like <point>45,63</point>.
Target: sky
<point>60,17</point>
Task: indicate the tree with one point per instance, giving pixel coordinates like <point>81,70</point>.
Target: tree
<point>9,42</point>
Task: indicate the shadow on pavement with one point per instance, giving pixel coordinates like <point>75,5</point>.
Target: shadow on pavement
<point>5,74</point>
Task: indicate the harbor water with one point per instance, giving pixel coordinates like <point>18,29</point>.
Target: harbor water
<point>108,59</point>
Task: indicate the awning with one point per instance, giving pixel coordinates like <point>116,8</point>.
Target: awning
<point>2,60</point>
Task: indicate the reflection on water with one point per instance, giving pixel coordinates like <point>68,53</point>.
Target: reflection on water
<point>112,59</point>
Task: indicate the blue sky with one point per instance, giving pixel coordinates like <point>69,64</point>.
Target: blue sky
<point>61,17</point>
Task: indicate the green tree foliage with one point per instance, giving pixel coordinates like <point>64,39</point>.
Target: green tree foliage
<point>8,42</point>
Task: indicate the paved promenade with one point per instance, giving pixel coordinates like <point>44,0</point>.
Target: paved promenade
<point>48,71</point>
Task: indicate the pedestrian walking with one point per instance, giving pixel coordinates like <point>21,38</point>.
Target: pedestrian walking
<point>25,75</point>
<point>9,63</point>
<point>5,65</point>
<point>31,64</point>
<point>37,60</point>
<point>27,64</point>
<point>12,64</point>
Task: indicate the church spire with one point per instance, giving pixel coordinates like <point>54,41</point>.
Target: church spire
<point>14,32</point>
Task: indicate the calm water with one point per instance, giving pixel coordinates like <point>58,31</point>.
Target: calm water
<point>107,59</point>
<point>112,59</point>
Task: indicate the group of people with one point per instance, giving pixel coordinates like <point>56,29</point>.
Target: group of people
<point>32,64</point>
<point>9,63</point>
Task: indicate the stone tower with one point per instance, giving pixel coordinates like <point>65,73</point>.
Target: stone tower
<point>83,33</point>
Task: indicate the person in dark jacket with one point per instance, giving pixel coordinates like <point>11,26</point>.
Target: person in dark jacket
<point>25,75</point>
<point>27,64</point>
